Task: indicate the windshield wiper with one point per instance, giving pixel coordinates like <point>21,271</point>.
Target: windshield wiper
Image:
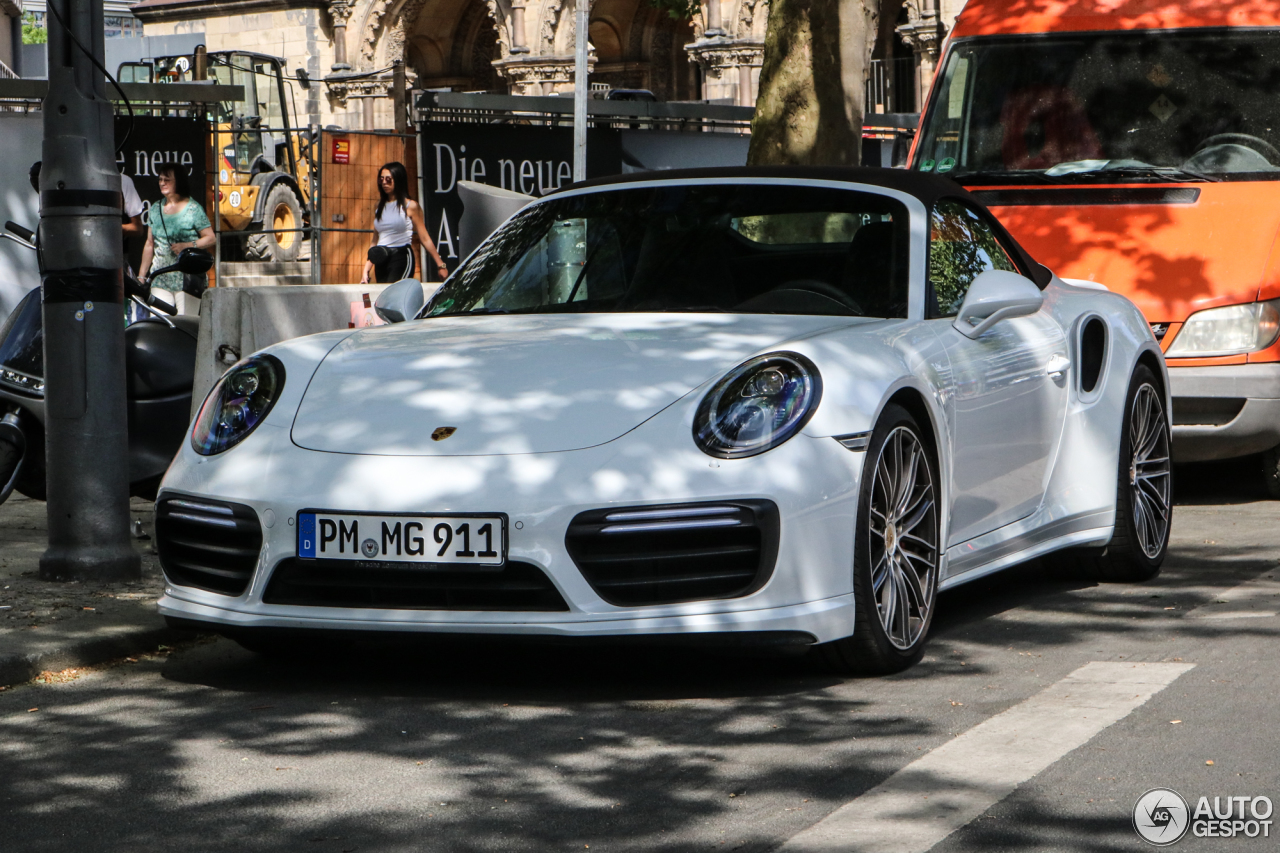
<point>1125,168</point>
<point>1174,173</point>
<point>1004,176</point>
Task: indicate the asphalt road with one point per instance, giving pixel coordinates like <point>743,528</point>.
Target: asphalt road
<point>512,747</point>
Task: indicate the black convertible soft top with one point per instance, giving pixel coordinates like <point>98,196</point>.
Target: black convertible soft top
<point>928,188</point>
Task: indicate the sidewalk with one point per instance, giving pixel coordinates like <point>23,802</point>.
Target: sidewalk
<point>56,626</point>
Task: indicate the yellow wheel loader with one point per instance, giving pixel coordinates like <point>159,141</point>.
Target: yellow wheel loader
<point>262,160</point>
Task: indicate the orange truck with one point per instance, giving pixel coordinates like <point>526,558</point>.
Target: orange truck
<point>1136,144</point>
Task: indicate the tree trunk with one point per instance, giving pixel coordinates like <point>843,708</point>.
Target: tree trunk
<point>809,111</point>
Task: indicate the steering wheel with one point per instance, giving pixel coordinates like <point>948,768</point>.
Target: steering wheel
<point>1262,146</point>
<point>822,288</point>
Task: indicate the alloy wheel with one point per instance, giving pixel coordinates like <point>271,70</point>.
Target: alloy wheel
<point>1149,468</point>
<point>903,534</point>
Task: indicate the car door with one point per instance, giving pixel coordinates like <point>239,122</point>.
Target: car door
<point>1005,410</point>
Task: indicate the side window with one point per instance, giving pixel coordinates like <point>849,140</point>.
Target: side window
<point>961,246</point>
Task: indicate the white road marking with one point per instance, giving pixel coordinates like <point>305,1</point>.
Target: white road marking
<point>935,795</point>
<point>1250,600</point>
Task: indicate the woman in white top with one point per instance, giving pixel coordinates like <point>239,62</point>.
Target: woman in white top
<point>395,220</point>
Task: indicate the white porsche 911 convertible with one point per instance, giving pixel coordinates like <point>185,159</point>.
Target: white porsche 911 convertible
<point>788,404</point>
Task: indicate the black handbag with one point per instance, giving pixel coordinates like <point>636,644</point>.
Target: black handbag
<point>379,254</point>
<point>195,284</point>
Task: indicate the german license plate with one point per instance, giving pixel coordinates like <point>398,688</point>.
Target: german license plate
<point>478,540</point>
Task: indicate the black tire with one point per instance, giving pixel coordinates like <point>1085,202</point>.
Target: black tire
<point>282,209</point>
<point>877,648</point>
<point>10,459</point>
<point>31,478</point>
<point>1271,472</point>
<point>1141,538</point>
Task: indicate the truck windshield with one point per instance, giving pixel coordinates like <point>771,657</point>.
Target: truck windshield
<point>720,248</point>
<point>1107,107</point>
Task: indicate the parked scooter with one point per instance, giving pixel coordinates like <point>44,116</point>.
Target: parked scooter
<point>160,358</point>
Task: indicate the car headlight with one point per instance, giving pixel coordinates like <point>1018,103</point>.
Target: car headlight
<point>757,406</point>
<point>239,401</point>
<point>1228,331</point>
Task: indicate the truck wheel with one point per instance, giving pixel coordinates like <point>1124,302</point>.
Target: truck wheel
<point>281,211</point>
<point>1271,472</point>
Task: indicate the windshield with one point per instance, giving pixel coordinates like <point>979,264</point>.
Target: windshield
<point>1159,106</point>
<point>723,248</point>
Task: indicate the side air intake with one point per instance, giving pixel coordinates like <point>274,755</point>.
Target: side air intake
<point>648,555</point>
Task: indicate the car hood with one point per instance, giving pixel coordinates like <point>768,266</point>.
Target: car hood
<point>1170,259</point>
<point>524,383</point>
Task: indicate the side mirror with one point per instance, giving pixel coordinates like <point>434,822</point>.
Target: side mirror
<point>195,261</point>
<point>993,296</point>
<point>400,301</point>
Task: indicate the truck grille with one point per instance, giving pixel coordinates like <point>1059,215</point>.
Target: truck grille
<point>1083,196</point>
<point>207,544</point>
<point>680,552</point>
<point>1206,411</point>
<point>337,583</point>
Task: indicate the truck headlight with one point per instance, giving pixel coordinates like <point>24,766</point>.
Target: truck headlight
<point>757,405</point>
<point>1230,330</point>
<point>239,401</point>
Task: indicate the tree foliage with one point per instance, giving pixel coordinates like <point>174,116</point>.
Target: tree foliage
<point>32,32</point>
<point>678,10</point>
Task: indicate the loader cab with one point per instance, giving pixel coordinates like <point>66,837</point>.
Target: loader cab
<point>136,72</point>
<point>260,123</point>
<point>261,161</point>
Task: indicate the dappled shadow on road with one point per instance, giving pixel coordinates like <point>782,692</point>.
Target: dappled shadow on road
<point>1029,824</point>
<point>492,746</point>
<point>479,746</point>
<point>1050,606</point>
<point>495,746</point>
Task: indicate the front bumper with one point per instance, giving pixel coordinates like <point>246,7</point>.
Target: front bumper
<point>812,481</point>
<point>823,620</point>
<point>1223,412</point>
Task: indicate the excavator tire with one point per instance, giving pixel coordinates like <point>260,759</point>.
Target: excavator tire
<point>283,210</point>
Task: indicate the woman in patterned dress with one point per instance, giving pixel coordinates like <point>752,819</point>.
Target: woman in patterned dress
<point>175,224</point>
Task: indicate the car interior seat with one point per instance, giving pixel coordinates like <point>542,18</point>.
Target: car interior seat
<point>869,272</point>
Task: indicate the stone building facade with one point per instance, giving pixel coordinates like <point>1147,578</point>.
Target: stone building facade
<point>522,47</point>
<point>927,26</point>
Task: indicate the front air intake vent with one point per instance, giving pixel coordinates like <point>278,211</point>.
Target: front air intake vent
<point>207,544</point>
<point>336,583</point>
<point>648,555</point>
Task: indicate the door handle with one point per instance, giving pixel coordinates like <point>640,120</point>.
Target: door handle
<point>1057,365</point>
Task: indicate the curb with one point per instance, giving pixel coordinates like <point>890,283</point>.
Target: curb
<point>18,668</point>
